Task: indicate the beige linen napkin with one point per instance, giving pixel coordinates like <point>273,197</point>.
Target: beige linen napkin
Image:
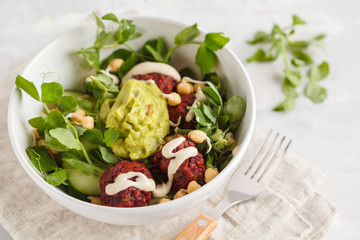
<point>289,209</point>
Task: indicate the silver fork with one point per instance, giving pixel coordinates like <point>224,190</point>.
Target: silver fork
<point>248,181</point>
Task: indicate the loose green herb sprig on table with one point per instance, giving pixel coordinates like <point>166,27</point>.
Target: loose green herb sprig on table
<point>296,59</point>
<point>153,50</point>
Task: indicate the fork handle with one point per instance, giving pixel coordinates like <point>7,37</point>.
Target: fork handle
<point>199,229</point>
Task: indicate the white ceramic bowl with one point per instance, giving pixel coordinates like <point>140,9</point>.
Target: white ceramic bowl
<point>61,64</point>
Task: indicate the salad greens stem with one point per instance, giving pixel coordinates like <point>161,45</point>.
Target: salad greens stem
<point>285,56</point>
<point>167,57</point>
<point>46,108</point>
<point>81,146</point>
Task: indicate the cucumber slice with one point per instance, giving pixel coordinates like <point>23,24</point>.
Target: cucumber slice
<point>74,93</point>
<point>86,183</point>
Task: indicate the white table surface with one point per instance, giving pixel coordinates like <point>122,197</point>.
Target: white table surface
<point>327,135</point>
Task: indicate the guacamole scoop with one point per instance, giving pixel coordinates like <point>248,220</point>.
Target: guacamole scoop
<point>140,115</point>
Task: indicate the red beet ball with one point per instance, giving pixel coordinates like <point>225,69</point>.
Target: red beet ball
<point>131,196</point>
<point>165,83</point>
<point>191,169</point>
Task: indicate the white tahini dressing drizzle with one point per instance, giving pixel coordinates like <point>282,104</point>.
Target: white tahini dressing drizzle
<point>150,67</point>
<point>180,156</point>
<point>123,181</point>
<point>199,97</point>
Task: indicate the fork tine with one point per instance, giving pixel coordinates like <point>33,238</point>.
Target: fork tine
<point>274,162</point>
<point>244,168</point>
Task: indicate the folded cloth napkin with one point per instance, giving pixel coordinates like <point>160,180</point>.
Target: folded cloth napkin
<point>290,208</point>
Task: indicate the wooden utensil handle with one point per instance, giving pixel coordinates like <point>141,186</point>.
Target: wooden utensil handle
<point>199,229</point>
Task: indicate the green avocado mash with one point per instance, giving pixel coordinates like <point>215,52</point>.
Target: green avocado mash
<point>140,115</point>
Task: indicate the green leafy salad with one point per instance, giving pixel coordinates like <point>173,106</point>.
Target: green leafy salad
<point>84,140</point>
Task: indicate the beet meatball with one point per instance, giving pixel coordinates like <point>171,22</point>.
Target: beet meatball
<point>191,169</point>
<point>131,196</point>
<point>165,83</point>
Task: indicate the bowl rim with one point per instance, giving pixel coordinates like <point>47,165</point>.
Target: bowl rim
<point>60,195</point>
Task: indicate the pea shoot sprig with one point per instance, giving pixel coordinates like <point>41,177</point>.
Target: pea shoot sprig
<point>296,61</point>
<point>122,31</point>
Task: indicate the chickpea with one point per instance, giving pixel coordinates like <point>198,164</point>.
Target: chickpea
<point>40,142</point>
<point>95,200</point>
<point>210,173</point>
<point>192,186</point>
<point>54,108</point>
<point>185,88</point>
<point>180,194</point>
<point>235,150</point>
<point>87,122</point>
<point>164,200</point>
<point>170,138</point>
<point>115,64</point>
<point>52,152</point>
<point>230,141</point>
<point>77,116</point>
<point>174,99</point>
<point>197,136</point>
<point>36,134</point>
<point>197,85</point>
<point>88,79</point>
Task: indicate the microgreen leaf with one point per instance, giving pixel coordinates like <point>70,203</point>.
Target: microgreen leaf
<point>56,178</point>
<point>103,38</point>
<point>99,23</point>
<point>131,61</point>
<point>297,20</point>
<point>94,136</point>
<point>215,41</point>
<point>68,103</point>
<point>199,116</point>
<point>92,57</point>
<point>54,119</point>
<point>41,158</point>
<point>260,56</point>
<point>110,17</point>
<point>38,123</point>
<point>157,56</point>
<point>294,77</point>
<point>235,108</point>
<point>320,72</point>
<point>297,62</point>
<point>208,113</point>
<point>315,92</point>
<point>27,86</point>
<point>289,89</point>
<point>302,56</point>
<point>187,35</point>
<point>51,92</point>
<point>299,44</point>
<point>107,155</point>
<point>161,47</point>
<point>259,37</point>
<point>205,58</point>
<point>80,165</point>
<point>212,94</point>
<point>66,138</point>
<point>286,105</point>
<point>86,105</point>
<point>110,136</point>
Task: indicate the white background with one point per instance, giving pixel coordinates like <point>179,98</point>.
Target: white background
<point>326,135</point>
